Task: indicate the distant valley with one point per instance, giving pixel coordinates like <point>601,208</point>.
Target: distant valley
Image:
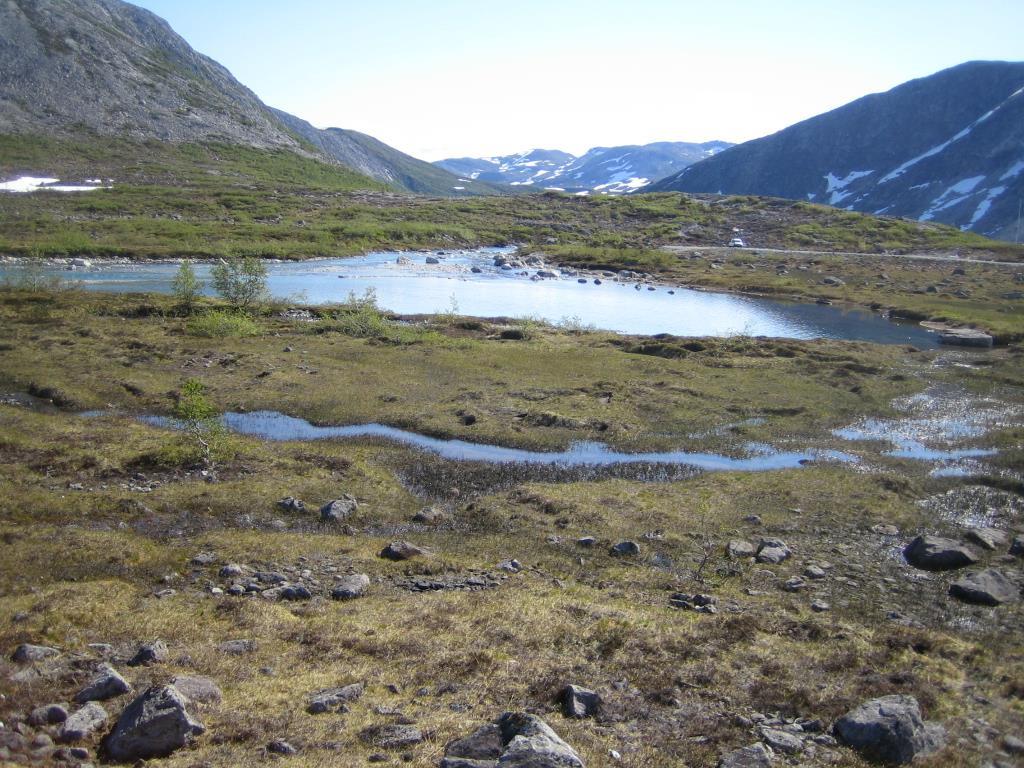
<point>601,170</point>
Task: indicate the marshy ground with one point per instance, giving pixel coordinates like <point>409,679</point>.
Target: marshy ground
<point>112,534</point>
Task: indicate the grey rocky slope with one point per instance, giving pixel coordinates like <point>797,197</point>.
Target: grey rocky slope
<point>106,67</point>
<point>611,170</point>
<point>946,148</point>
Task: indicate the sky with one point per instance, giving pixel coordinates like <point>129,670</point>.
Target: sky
<point>457,78</point>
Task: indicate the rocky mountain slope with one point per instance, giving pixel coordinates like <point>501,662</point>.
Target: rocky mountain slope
<point>608,170</point>
<point>105,67</point>
<point>946,148</point>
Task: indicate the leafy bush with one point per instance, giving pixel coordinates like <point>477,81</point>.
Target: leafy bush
<point>186,286</point>
<point>198,418</point>
<point>242,282</point>
<point>220,324</point>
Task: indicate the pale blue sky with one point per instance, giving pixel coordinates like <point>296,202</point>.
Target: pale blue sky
<point>446,78</point>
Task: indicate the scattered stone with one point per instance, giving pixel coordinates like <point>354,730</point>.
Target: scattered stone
<point>699,603</point>
<point>580,702</point>
<point>754,756</point>
<point>885,530</point>
<point>351,587</point>
<point>889,730</point>
<point>586,541</point>
<point>432,260</point>
<point>987,538</point>
<point>934,553</point>
<point>820,606</point>
<point>198,690</point>
<point>49,714</point>
<point>1013,745</point>
<point>782,741</point>
<point>430,516</point>
<point>281,747</point>
<point>516,740</point>
<point>794,584</point>
<point>965,337</point>
<point>773,551</point>
<point>625,549</point>
<point>291,504</point>
<point>401,550</point>
<point>738,548</point>
<point>155,724</point>
<point>391,735</point>
<point>149,653</point>
<point>83,723</point>
<point>204,559</point>
<point>510,566</point>
<point>334,698</point>
<point>987,587</point>
<point>1017,546</point>
<point>483,744</point>
<point>237,647</point>
<point>105,685</point>
<point>815,572</point>
<point>339,509</point>
<point>231,571</point>
<point>295,592</point>
<point>27,653</point>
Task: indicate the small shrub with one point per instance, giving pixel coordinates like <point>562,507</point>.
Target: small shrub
<point>242,282</point>
<point>186,286</point>
<point>198,418</point>
<point>220,324</point>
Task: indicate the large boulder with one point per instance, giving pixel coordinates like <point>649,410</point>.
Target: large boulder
<point>934,553</point>
<point>988,587</point>
<point>351,586</point>
<point>155,724</point>
<point>401,550</point>
<point>889,730</point>
<point>339,509</point>
<point>514,740</point>
<point>106,684</point>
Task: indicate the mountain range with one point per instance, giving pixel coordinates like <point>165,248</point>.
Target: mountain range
<point>946,148</point>
<point>608,170</point>
<point>109,68</point>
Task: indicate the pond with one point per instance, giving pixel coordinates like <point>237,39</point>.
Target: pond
<point>470,283</point>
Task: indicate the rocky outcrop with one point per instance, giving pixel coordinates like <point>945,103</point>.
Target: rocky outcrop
<point>889,730</point>
<point>987,587</point>
<point>934,553</point>
<point>514,740</point>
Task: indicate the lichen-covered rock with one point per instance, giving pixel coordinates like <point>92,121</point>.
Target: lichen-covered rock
<point>987,587</point>
<point>339,509</point>
<point>514,740</point>
<point>889,730</point>
<point>149,653</point>
<point>351,587</point>
<point>580,702</point>
<point>401,550</point>
<point>753,756</point>
<point>155,724</point>
<point>83,723</point>
<point>106,684</point>
<point>26,653</point>
<point>934,553</point>
<point>329,699</point>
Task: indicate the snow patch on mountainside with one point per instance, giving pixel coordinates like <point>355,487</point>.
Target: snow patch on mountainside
<point>836,186</point>
<point>954,195</point>
<point>983,206</point>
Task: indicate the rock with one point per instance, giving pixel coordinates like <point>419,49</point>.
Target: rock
<point>1013,745</point>
<point>884,529</point>
<point>281,747</point>
<point>105,685</point>
<point>579,702</point>
<point>832,281</point>
<point>204,558</point>
<point>965,337</point>
<point>738,548</point>
<point>351,587</point>
<point>83,723</point>
<point>198,690</point>
<point>987,538</point>
<point>149,653</point>
<point>530,743</point>
<point>432,260</point>
<point>754,756</point>
<point>889,730</point>
<point>400,550</point>
<point>231,571</point>
<point>586,541</point>
<point>510,566</point>
<point>773,551</point>
<point>28,654</point>
<point>237,647</point>
<point>483,744</point>
<point>155,724</point>
<point>430,516</point>
<point>625,549</point>
<point>782,741</point>
<point>334,698</point>
<point>794,584</point>
<point>391,735</point>
<point>513,334</point>
<point>815,572</point>
<point>338,509</point>
<point>49,714</point>
<point>987,587</point>
<point>934,553</point>
<point>820,606</point>
<point>291,504</point>
<point>1017,545</point>
<point>295,592</point>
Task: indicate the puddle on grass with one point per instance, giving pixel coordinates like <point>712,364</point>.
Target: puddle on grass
<point>939,420</point>
<point>271,425</point>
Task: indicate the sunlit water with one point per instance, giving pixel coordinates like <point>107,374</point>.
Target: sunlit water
<point>419,288</point>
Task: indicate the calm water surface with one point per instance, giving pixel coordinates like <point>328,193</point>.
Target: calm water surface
<point>414,287</point>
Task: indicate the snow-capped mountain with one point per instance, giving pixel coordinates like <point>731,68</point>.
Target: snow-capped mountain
<point>601,170</point>
<point>947,148</point>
